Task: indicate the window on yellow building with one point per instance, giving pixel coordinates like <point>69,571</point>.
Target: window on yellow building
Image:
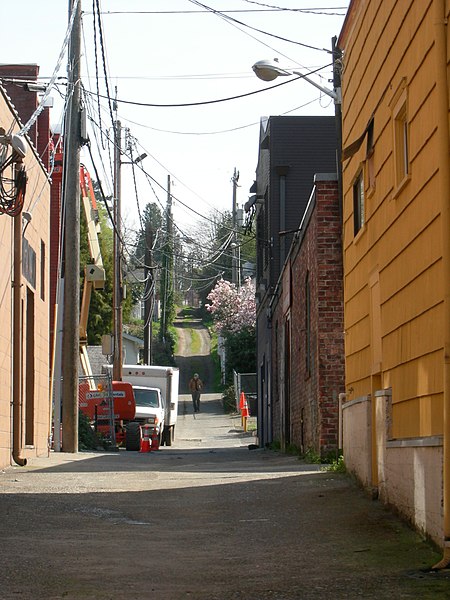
<point>401,136</point>
<point>370,162</point>
<point>358,202</point>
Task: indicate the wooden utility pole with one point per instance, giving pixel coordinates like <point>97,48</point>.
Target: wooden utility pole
<point>234,265</point>
<point>149,294</point>
<point>118,283</point>
<point>71,318</point>
<point>166,279</point>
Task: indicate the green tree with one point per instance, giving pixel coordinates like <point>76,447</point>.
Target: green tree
<point>151,215</point>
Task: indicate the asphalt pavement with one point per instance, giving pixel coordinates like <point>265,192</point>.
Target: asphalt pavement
<point>206,519</point>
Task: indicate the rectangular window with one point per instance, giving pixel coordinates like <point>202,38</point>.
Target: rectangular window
<point>370,162</point>
<point>401,145</point>
<point>358,203</point>
<point>400,133</point>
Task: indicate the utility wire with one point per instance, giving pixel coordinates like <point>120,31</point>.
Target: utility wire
<point>278,37</point>
<point>42,103</point>
<point>216,101</point>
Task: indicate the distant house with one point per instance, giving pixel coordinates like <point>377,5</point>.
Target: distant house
<point>132,348</point>
<point>291,151</point>
<point>396,418</point>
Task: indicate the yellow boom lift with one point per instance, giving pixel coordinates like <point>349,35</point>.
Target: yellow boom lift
<point>94,273</point>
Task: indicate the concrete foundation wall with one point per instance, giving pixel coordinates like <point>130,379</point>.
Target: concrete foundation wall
<point>408,472</point>
<point>356,435</point>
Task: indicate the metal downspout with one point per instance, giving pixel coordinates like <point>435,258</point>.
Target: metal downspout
<point>440,25</point>
<point>17,343</point>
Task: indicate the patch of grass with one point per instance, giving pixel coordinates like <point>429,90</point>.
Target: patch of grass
<point>251,425</point>
<point>336,466</point>
<point>275,445</point>
<point>293,450</point>
<point>312,457</point>
<point>195,342</point>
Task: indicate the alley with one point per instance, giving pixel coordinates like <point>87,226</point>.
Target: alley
<point>206,519</point>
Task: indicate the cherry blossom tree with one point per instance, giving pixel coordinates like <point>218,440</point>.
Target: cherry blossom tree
<point>234,313</point>
<point>233,309</point>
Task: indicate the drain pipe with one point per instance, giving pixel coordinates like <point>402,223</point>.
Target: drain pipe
<point>17,343</point>
<point>440,42</point>
<point>342,399</point>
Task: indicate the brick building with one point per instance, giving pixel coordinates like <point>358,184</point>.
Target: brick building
<point>291,151</point>
<point>18,81</point>
<point>24,301</point>
<point>307,328</point>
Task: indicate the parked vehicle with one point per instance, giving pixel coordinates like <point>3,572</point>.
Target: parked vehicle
<point>165,379</point>
<point>134,406</point>
<point>146,395</point>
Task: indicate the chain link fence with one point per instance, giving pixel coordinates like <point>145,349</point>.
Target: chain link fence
<point>247,383</point>
<point>96,401</point>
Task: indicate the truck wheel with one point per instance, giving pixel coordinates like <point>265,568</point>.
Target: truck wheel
<point>133,436</point>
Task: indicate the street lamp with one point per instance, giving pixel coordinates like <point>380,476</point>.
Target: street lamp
<point>268,70</point>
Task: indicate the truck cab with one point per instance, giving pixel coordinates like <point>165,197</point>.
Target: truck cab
<point>134,406</point>
<point>150,406</point>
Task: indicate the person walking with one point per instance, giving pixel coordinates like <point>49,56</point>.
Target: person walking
<point>196,386</point>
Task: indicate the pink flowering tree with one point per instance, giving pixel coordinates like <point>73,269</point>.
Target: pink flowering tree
<point>234,313</point>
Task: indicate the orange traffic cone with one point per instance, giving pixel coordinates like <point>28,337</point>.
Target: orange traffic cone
<point>155,439</point>
<point>145,445</point>
<point>245,413</point>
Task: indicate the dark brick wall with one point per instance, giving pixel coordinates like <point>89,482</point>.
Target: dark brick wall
<point>314,392</point>
<point>25,103</point>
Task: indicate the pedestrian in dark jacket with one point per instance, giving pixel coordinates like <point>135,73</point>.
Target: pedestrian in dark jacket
<point>196,386</point>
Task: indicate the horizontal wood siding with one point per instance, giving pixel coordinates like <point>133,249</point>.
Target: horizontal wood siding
<point>389,49</point>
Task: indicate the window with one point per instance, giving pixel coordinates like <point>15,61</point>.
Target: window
<point>401,144</point>
<point>400,133</point>
<point>358,202</point>
<point>370,164</point>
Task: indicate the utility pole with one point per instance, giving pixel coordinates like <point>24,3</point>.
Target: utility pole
<point>166,296</point>
<point>71,318</point>
<point>234,265</point>
<point>148,295</point>
<point>118,284</point>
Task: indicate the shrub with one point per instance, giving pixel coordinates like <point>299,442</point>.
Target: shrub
<point>229,399</point>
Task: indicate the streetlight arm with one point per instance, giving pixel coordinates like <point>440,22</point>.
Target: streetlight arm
<point>268,70</point>
<point>336,95</point>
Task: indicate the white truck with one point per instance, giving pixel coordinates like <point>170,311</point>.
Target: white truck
<point>165,379</point>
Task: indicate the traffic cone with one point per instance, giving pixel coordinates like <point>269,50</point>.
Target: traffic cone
<point>243,405</point>
<point>145,445</point>
<point>155,439</point>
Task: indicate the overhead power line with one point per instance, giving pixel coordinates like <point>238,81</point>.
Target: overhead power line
<point>216,101</point>
<point>222,15</point>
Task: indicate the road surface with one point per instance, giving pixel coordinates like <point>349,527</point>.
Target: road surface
<point>207,519</point>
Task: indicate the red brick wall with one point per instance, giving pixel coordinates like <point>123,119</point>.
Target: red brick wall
<point>24,102</point>
<point>314,393</point>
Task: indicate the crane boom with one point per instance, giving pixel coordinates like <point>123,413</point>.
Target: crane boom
<point>94,273</point>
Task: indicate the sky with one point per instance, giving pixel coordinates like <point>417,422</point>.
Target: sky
<point>176,52</point>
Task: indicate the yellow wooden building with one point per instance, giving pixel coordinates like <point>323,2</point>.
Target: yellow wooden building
<point>396,238</point>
